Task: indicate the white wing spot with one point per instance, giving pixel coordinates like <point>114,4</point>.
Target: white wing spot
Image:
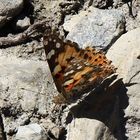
<point>86,63</point>
<point>69,82</point>
<point>50,54</point>
<point>54,40</point>
<point>66,74</point>
<point>50,39</point>
<point>79,67</point>
<point>58,45</point>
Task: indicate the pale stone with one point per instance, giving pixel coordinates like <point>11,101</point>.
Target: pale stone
<point>26,87</point>
<point>92,27</point>
<point>23,23</point>
<point>31,132</point>
<point>84,128</point>
<point>125,55</point>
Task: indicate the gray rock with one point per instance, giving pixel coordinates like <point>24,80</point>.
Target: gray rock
<point>125,54</point>
<point>10,124</point>
<point>26,87</point>
<point>95,27</point>
<point>51,126</point>
<point>56,10</point>
<point>9,9</point>
<point>84,128</point>
<point>31,132</point>
<point>132,19</point>
<point>97,3</point>
<point>23,23</point>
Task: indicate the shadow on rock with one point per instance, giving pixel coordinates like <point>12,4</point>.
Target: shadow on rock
<point>105,104</point>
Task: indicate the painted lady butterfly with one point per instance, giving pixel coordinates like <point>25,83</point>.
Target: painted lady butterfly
<point>74,70</point>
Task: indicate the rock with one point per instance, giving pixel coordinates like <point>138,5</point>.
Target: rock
<point>31,132</point>
<point>132,19</point>
<point>117,3</point>
<point>97,3</point>
<point>23,23</point>
<point>57,10</point>
<point>84,128</point>
<point>92,27</point>
<point>9,9</point>
<point>10,124</point>
<point>54,130</point>
<point>125,54</point>
<point>26,89</point>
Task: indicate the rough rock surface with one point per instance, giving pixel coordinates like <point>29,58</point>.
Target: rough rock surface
<point>97,3</point>
<point>31,132</point>
<point>57,10</point>
<point>131,10</point>
<point>80,129</point>
<point>98,32</point>
<point>26,85</point>
<point>9,9</point>
<point>126,51</point>
<point>125,54</point>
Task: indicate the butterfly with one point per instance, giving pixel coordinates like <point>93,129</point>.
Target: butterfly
<point>75,70</point>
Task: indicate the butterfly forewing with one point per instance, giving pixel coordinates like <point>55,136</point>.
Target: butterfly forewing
<point>74,69</point>
<point>58,54</point>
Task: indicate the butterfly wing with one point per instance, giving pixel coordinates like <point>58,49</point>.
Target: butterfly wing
<point>74,69</point>
<point>86,71</point>
<point>58,54</point>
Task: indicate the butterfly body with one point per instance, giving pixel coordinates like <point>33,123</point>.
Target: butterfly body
<point>74,70</point>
